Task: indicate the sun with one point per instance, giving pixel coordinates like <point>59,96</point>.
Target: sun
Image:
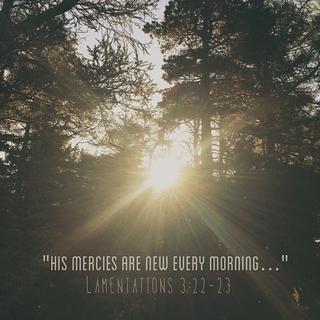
<point>164,173</point>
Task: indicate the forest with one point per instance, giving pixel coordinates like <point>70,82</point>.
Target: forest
<point>221,158</point>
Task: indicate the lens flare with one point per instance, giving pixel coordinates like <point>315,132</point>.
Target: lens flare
<point>164,173</point>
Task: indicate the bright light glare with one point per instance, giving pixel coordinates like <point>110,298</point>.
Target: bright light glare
<point>164,173</point>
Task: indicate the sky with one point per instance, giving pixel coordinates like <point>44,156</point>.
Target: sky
<point>155,57</point>
<point>179,136</point>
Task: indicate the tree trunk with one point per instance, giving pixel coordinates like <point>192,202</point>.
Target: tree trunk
<point>221,149</point>
<point>206,152</point>
<point>195,142</point>
<point>22,162</point>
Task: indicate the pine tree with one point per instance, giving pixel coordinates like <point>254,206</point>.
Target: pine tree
<point>200,67</point>
<point>275,45</point>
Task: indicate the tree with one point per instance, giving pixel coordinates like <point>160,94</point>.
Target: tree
<point>50,98</point>
<point>21,20</point>
<point>47,86</point>
<point>31,26</point>
<point>276,46</point>
<point>240,67</point>
<point>200,66</point>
